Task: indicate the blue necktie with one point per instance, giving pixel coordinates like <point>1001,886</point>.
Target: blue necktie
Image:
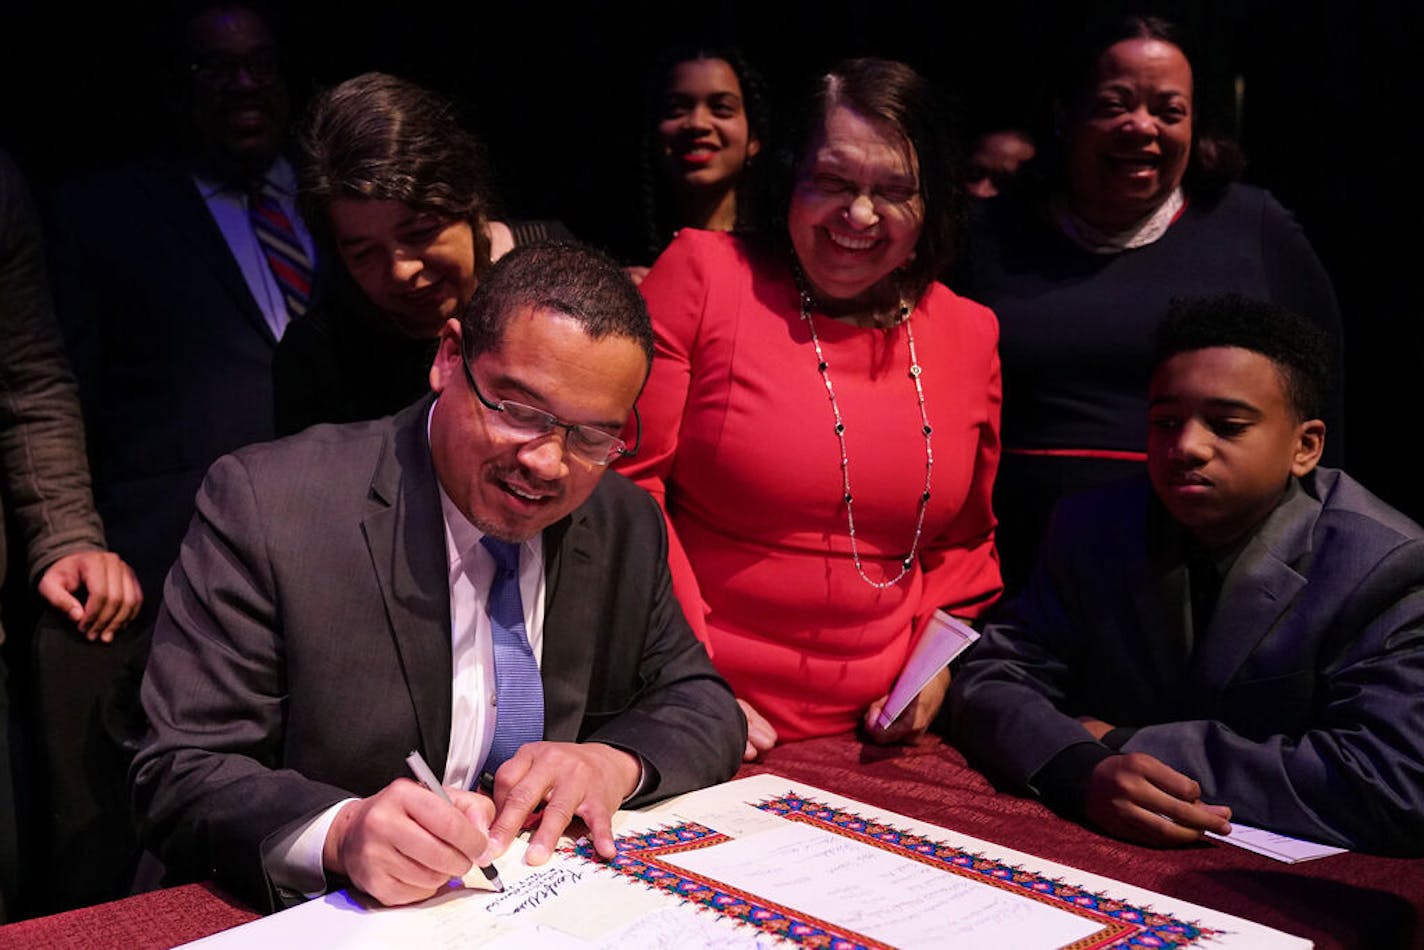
<point>519,693</point>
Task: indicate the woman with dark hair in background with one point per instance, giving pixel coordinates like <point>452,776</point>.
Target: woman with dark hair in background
<point>1140,209</point>
<point>707,121</point>
<point>821,422</point>
<point>399,190</point>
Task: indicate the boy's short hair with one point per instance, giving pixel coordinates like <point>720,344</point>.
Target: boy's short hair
<point>1300,349</point>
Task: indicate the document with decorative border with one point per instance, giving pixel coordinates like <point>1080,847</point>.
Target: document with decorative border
<point>767,862</point>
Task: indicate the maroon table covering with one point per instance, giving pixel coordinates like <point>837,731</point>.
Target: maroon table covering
<point>1348,900</point>
<point>163,918</point>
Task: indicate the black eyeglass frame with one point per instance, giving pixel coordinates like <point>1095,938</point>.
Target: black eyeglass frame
<point>263,67</point>
<point>553,422</point>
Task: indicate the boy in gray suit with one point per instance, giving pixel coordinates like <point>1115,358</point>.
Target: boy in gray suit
<point>1241,635</point>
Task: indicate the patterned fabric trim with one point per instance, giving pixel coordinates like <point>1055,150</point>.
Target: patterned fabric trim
<point>640,857</point>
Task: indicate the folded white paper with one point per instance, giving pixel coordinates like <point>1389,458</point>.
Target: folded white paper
<point>1278,847</point>
<point>943,640</point>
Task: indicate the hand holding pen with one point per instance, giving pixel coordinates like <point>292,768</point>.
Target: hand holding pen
<point>403,844</point>
<point>427,778</point>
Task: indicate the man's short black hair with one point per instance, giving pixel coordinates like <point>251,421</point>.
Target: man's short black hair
<point>567,278</point>
<point>1300,349</point>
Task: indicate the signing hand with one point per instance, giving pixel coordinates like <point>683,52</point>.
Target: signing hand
<point>588,780</point>
<point>760,734</point>
<point>911,724</point>
<point>1140,798</point>
<point>404,843</point>
<point>111,591</point>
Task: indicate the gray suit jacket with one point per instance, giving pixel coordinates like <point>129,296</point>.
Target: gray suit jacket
<point>1302,704</point>
<point>303,648</point>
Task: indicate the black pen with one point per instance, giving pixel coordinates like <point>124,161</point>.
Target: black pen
<point>427,778</point>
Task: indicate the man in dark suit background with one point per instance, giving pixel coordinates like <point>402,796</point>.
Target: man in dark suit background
<point>1244,638</point>
<point>172,303</point>
<point>334,607</point>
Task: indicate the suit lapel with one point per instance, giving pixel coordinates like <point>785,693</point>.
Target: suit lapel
<point>1257,591</point>
<point>174,188</point>
<point>405,534</point>
<point>572,579</point>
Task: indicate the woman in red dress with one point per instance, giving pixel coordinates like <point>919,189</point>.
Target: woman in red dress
<point>821,422</point>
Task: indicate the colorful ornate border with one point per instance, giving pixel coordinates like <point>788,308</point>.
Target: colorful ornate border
<point>1123,925</point>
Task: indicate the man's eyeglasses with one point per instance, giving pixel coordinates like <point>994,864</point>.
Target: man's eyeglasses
<point>591,444</point>
<point>262,67</point>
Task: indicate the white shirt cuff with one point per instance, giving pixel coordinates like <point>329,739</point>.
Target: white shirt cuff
<point>292,856</point>
<point>642,777</point>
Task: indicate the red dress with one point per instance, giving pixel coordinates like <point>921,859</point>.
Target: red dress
<point>739,447</point>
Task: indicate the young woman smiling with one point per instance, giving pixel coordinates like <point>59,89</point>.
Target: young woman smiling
<point>707,122</point>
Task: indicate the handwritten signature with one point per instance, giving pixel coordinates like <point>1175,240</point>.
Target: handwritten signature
<point>533,891</point>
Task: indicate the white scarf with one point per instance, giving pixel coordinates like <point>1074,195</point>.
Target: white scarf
<point>1096,241</point>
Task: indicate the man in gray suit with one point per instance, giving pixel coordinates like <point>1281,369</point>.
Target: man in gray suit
<point>334,607</point>
<point>1244,638</point>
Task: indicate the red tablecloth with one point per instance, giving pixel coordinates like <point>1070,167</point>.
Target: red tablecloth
<point>1349,900</point>
<point>163,918</point>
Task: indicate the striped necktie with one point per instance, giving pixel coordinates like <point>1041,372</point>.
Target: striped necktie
<point>290,264</point>
<point>519,693</point>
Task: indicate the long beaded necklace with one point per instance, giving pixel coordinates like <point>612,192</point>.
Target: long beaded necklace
<point>825,370</point>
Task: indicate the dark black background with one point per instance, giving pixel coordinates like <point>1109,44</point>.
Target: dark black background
<point>1329,119</point>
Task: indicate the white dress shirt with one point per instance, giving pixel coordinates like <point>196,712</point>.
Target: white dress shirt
<point>472,641</point>
<point>292,857</point>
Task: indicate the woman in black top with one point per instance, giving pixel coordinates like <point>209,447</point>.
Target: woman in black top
<point>393,185</point>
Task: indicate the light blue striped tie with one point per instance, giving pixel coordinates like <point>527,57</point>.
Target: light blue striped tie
<point>519,693</point>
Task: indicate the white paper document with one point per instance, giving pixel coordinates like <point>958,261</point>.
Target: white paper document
<point>945,637</point>
<point>1280,847</point>
<point>889,898</point>
<point>766,862</point>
